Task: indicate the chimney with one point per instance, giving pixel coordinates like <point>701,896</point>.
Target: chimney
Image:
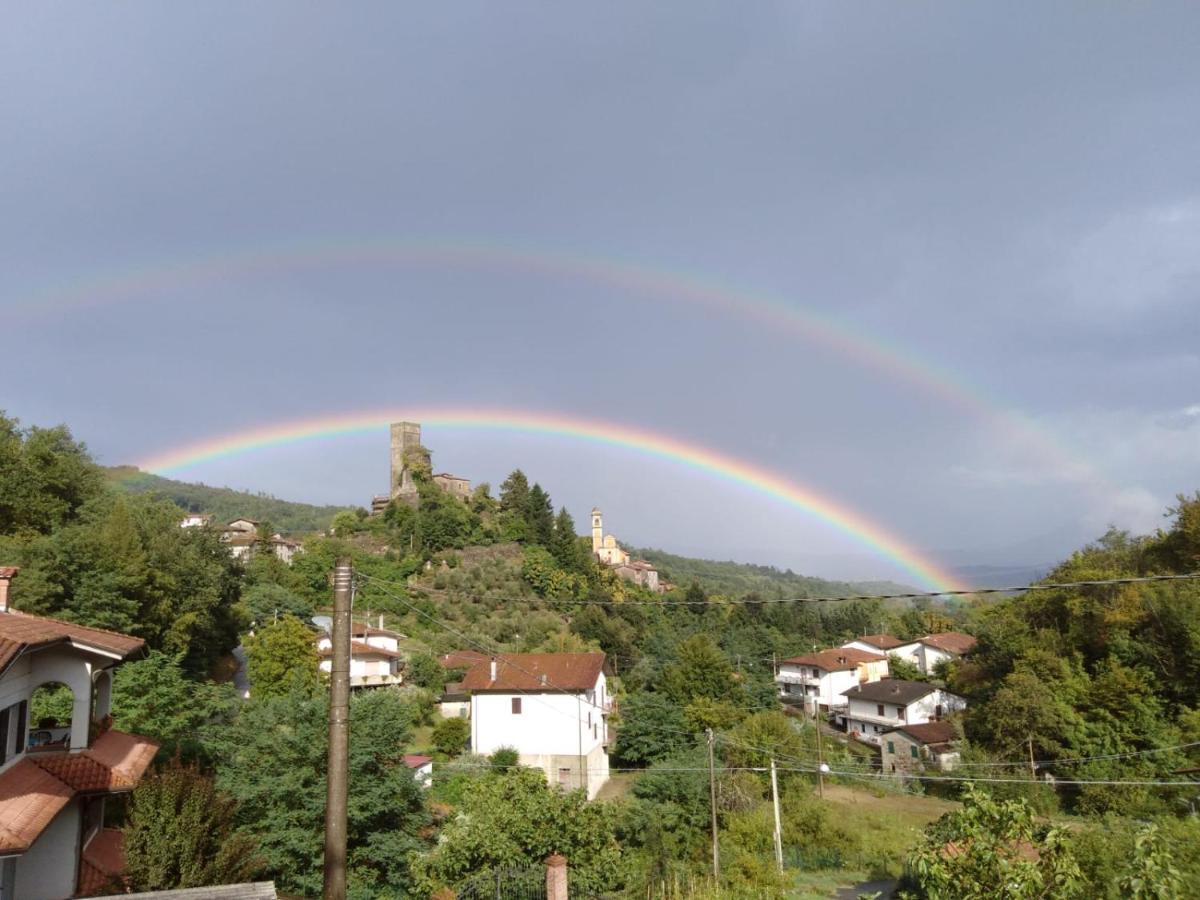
<point>493,668</point>
<point>544,679</point>
<point>7,574</point>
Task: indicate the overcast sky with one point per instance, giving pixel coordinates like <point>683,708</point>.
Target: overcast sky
<point>1009,196</point>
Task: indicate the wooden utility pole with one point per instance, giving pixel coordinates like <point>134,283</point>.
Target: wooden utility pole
<point>1032,765</point>
<point>712,790</point>
<point>778,827</point>
<point>339,737</point>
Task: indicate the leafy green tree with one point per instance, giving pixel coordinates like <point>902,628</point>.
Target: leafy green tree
<point>46,477</point>
<point>701,669</point>
<point>272,760</point>
<point>180,834</point>
<point>761,736</point>
<point>696,599</point>
<point>539,516</point>
<point>125,564</point>
<point>652,727</point>
<point>154,697</point>
<point>450,736</point>
<point>994,848</point>
<point>504,758</point>
<point>903,669</point>
<point>1152,875</point>
<point>281,659</point>
<point>512,818</point>
<point>344,524</point>
<point>424,670</point>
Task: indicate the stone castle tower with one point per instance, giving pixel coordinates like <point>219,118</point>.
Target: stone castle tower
<point>406,440</point>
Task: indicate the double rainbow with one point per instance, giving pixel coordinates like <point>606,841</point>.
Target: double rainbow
<point>727,468</point>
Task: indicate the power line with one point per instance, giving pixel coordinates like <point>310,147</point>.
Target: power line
<point>915,595</point>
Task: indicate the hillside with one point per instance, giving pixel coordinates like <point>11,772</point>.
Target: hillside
<point>226,503</point>
<point>734,578</point>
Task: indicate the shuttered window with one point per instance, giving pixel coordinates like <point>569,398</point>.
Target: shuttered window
<point>516,706</point>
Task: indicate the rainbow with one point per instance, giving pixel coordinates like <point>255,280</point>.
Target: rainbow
<point>727,468</point>
<point>775,314</point>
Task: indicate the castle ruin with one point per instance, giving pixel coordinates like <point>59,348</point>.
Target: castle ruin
<point>407,454</point>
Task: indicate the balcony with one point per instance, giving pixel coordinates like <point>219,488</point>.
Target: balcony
<point>796,678</point>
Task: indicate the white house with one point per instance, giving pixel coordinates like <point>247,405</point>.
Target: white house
<point>879,706</point>
<point>422,768</point>
<point>926,652</point>
<point>55,782</point>
<point>195,520</point>
<point>824,676</point>
<point>552,708</point>
<point>375,658</point>
<point>883,644</point>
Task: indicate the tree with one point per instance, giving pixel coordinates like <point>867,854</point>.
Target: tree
<point>652,727</point>
<point>180,834</point>
<point>504,758</point>
<point>344,524</point>
<point>424,670</point>
<point>514,493</point>
<point>513,817</point>
<point>46,477</point>
<point>565,543</point>
<point>450,735</point>
<point>153,696</point>
<point>903,669</point>
<point>281,659</point>
<point>264,602</point>
<point>992,848</point>
<point>700,669</point>
<point>696,599</point>
<point>539,516</point>
<point>272,760</point>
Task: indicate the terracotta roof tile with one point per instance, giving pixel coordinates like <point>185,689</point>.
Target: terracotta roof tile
<point>21,631</point>
<point>461,659</point>
<point>30,798</point>
<point>416,760</point>
<point>106,853</point>
<point>931,732</point>
<point>358,648</point>
<point>536,672</point>
<point>951,641</point>
<point>837,659</point>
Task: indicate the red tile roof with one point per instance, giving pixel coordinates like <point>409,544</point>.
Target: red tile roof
<point>415,760</point>
<point>30,798</point>
<point>941,732</point>
<point>536,672</point>
<point>837,659</point>
<point>37,787</point>
<point>882,641</point>
<point>461,659</point>
<point>20,632</point>
<point>950,641</point>
<point>102,862</point>
<point>358,648</point>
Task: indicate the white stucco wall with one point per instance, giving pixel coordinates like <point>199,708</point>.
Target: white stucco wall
<point>549,723</point>
<point>48,870</point>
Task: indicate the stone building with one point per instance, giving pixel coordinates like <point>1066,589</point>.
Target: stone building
<point>453,485</point>
<point>610,553</point>
<point>406,453</point>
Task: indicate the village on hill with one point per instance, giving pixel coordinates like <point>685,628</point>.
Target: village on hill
<point>504,666</point>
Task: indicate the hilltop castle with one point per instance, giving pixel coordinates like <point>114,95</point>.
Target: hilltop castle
<point>406,454</point>
<point>610,553</point>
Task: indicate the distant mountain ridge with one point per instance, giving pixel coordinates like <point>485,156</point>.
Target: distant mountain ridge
<point>226,504</point>
<point>735,579</point>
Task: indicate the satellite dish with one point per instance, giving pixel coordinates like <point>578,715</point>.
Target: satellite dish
<point>325,623</point>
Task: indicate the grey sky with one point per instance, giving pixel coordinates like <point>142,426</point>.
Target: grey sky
<point>1010,193</point>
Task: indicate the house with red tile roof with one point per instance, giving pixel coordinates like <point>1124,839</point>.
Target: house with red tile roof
<point>928,651</point>
<point>552,708</point>
<point>375,657</point>
<point>822,677</point>
<point>56,778</point>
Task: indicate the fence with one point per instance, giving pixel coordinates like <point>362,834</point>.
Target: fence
<point>505,883</point>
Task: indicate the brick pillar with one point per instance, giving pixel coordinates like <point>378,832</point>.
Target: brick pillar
<point>556,877</point>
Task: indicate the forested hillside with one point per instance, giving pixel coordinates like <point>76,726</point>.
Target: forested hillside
<point>225,503</point>
<point>729,577</point>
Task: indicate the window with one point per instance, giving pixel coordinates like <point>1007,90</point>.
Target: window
<point>516,706</point>
<point>913,751</point>
<point>879,710</point>
<point>816,673</point>
<point>589,719</point>
<point>22,716</point>
<point>899,712</point>
<point>891,747</point>
<point>937,711</point>
<point>564,777</point>
<point>4,736</point>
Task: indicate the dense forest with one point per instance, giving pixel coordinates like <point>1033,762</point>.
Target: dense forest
<point>1099,684</point>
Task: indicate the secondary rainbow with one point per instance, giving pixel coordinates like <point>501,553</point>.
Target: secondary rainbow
<point>152,280</point>
<point>835,514</point>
